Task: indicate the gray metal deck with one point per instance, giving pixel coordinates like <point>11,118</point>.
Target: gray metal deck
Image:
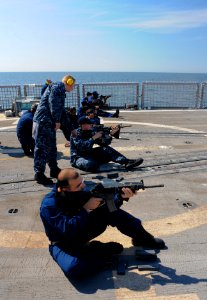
<point>174,147</point>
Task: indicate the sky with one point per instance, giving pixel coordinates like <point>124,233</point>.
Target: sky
<point>103,35</point>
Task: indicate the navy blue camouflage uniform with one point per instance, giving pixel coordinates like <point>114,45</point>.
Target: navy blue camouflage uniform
<point>87,158</point>
<point>24,132</point>
<point>96,120</point>
<point>100,112</point>
<point>70,233</point>
<point>43,89</point>
<point>51,110</point>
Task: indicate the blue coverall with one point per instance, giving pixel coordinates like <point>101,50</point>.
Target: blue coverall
<point>43,89</point>
<point>88,103</point>
<point>100,112</point>
<point>70,233</point>
<point>86,158</point>
<point>82,111</point>
<point>24,132</point>
<point>51,110</point>
<point>95,121</point>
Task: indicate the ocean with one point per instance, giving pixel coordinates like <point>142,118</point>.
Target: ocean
<point>21,78</point>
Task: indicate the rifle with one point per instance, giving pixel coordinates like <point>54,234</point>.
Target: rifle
<point>104,98</point>
<point>113,131</point>
<point>107,189</point>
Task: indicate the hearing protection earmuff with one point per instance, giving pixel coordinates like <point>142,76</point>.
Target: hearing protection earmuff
<point>70,81</point>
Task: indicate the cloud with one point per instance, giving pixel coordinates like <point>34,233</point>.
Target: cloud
<point>173,20</point>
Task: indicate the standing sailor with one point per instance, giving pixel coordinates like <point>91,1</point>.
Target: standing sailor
<point>47,120</point>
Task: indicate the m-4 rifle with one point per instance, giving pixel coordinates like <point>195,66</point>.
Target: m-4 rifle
<point>108,188</point>
<point>113,131</point>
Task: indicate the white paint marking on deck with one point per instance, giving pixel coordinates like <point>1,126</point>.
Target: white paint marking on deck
<point>64,150</point>
<point>137,123</point>
<point>4,118</point>
<point>7,128</point>
<point>134,148</point>
<point>158,126</point>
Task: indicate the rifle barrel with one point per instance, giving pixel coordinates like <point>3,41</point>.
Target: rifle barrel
<point>140,185</point>
<point>153,186</point>
<point>124,126</point>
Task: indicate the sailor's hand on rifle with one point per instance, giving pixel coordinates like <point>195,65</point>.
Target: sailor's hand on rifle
<point>97,135</point>
<point>127,193</point>
<point>74,133</point>
<point>114,129</point>
<point>57,126</point>
<point>92,204</point>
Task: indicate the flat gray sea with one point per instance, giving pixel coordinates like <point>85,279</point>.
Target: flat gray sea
<point>21,78</point>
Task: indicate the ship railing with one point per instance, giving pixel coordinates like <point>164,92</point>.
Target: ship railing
<point>203,102</point>
<point>123,94</point>
<point>7,94</point>
<point>126,95</point>
<point>170,95</point>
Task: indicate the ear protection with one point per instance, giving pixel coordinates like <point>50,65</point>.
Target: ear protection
<point>70,81</point>
<point>48,81</point>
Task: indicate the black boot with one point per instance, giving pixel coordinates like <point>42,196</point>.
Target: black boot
<point>54,172</point>
<point>42,179</point>
<point>144,239</point>
<point>105,249</point>
<point>116,114</point>
<point>132,163</point>
<point>26,150</point>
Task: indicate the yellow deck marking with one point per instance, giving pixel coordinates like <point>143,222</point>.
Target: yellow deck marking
<point>22,239</point>
<point>139,288</point>
<point>178,223</point>
<point>7,158</point>
<point>162,227</point>
<point>125,294</point>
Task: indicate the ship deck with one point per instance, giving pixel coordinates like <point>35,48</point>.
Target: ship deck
<point>174,147</point>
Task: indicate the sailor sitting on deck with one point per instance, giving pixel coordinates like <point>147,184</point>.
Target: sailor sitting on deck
<point>96,102</point>
<point>87,158</point>
<point>92,115</point>
<point>71,223</point>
